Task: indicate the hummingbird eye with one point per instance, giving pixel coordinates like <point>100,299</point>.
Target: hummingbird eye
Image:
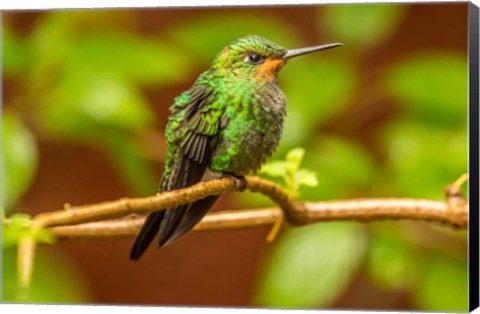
<point>254,58</point>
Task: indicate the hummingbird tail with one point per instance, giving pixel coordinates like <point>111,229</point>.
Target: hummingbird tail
<point>196,212</point>
<point>172,224</point>
<point>146,235</point>
<point>171,221</point>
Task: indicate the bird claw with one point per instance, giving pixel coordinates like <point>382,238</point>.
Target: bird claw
<point>240,182</point>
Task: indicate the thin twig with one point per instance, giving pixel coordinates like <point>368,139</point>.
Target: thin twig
<point>25,259</point>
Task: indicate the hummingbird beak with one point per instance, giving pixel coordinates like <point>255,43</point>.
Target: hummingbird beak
<point>301,51</point>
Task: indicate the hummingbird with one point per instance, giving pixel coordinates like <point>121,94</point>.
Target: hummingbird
<point>227,124</point>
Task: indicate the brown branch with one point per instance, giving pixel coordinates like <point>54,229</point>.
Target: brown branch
<point>122,207</point>
<point>125,206</point>
<point>82,222</point>
<point>356,209</point>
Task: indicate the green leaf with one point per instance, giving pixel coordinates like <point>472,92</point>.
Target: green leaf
<point>16,55</point>
<point>289,171</point>
<point>361,25</point>
<point>55,279</point>
<point>147,61</point>
<point>276,168</point>
<point>19,160</point>
<point>18,227</point>
<point>311,266</point>
<point>443,286</point>
<point>295,156</point>
<point>83,103</point>
<point>433,88</point>
<point>43,236</point>
<point>306,177</point>
<point>192,33</point>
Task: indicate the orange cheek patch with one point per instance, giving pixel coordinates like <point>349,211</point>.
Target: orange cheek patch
<point>269,68</point>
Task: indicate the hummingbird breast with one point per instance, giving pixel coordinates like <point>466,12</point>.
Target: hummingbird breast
<point>254,123</point>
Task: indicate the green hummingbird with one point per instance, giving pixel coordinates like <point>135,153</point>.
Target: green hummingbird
<point>227,124</point>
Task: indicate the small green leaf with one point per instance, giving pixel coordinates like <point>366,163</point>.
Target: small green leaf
<point>296,156</point>
<point>306,177</point>
<point>289,171</point>
<point>311,266</point>
<point>18,227</point>
<point>19,160</point>
<point>43,236</point>
<point>275,168</point>
<point>15,229</point>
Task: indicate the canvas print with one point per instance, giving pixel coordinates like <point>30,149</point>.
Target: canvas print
<point>294,157</point>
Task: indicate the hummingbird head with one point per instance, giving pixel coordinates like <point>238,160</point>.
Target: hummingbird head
<point>257,57</point>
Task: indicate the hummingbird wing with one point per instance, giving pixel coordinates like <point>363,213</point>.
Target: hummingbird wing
<point>192,135</point>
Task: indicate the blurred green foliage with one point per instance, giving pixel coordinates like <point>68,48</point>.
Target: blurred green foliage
<point>19,159</point>
<point>206,35</point>
<point>392,263</point>
<point>443,285</point>
<point>426,154</point>
<point>418,83</point>
<point>344,168</point>
<point>82,77</point>
<point>361,26</point>
<point>326,87</point>
<point>56,279</point>
<point>311,266</point>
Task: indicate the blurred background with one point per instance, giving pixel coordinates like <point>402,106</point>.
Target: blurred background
<point>85,102</point>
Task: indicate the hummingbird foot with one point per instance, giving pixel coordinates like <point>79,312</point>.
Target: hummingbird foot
<point>240,181</point>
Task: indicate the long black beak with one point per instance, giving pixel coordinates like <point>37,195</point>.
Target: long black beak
<point>301,51</point>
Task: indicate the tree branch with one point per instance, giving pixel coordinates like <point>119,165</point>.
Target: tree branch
<point>83,222</point>
<point>122,207</point>
<point>357,209</point>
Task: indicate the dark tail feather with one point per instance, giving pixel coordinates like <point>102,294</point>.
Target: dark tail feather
<point>170,223</point>
<point>146,235</point>
<point>196,212</point>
